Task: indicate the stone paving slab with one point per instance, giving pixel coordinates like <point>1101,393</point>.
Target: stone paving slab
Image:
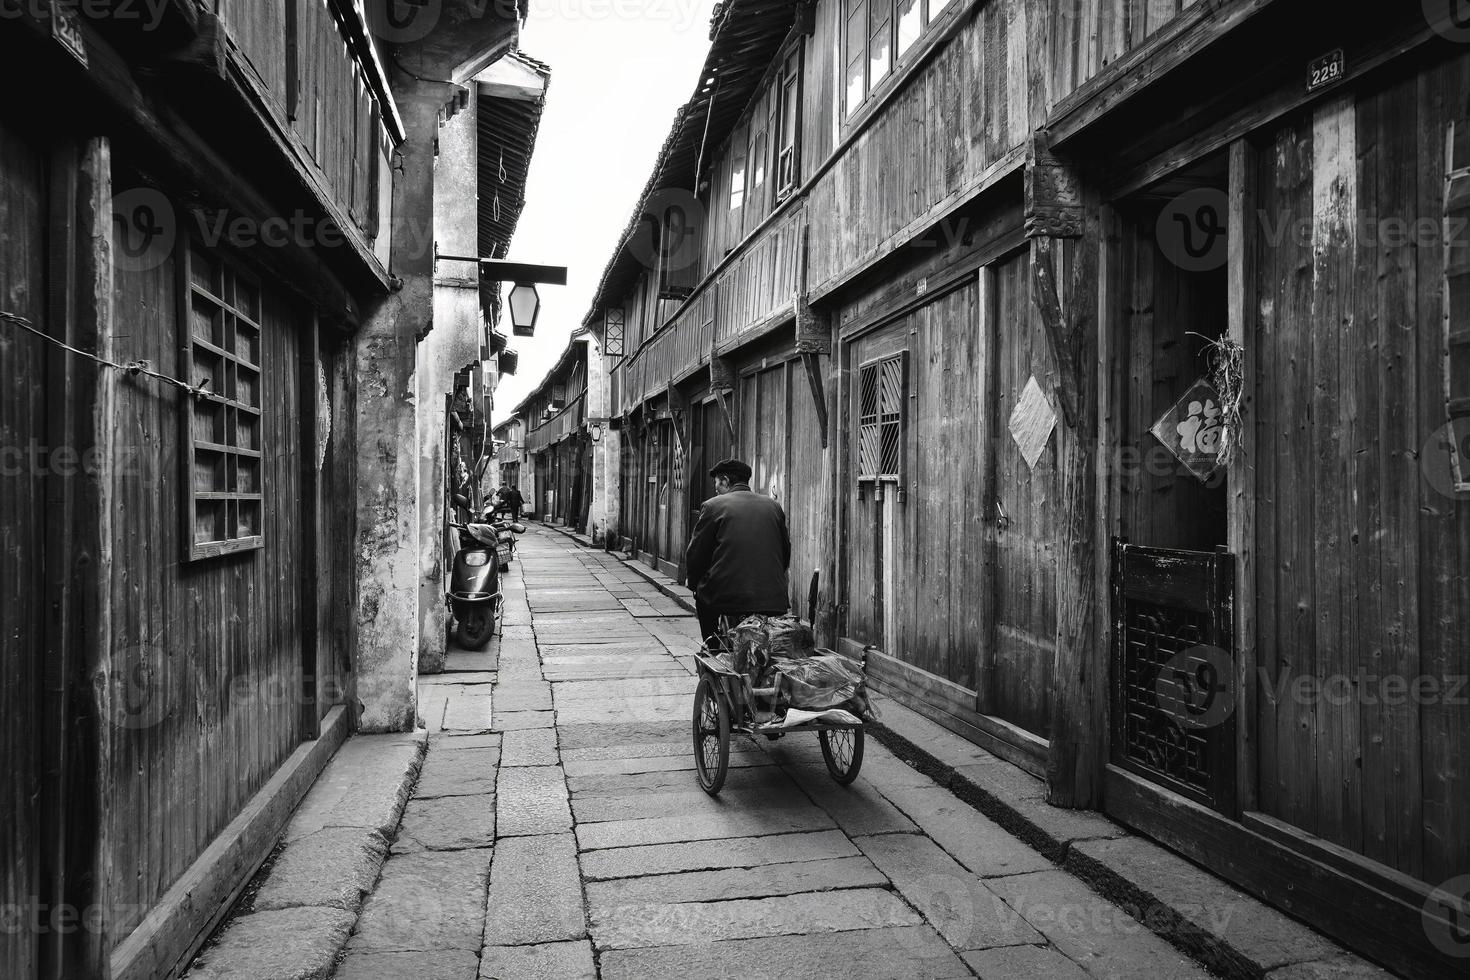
<point>587,736</point>
<point>742,852</point>
<point>447,823</point>
<point>466,713</point>
<point>910,953</point>
<point>548,961</point>
<point>440,964</point>
<point>530,747</point>
<point>1090,930</point>
<point>535,892</point>
<point>599,809</point>
<point>603,690</point>
<point>457,741</point>
<point>690,923</point>
<point>511,721</point>
<point>966,913</point>
<point>1346,967</point>
<point>671,781</point>
<point>971,838</point>
<point>287,944</point>
<point>668,830</point>
<point>1010,962</point>
<point>365,785</point>
<point>519,695</point>
<point>451,770</point>
<point>332,868</point>
<point>470,661</point>
<point>431,900</point>
<point>532,800</point>
<point>559,651</point>
<point>859,809</point>
<point>667,707</point>
<point>433,682</point>
<point>630,750</point>
<point>765,881</point>
<point>662,763</point>
<point>613,671</point>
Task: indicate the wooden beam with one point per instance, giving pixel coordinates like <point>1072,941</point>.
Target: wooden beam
<point>1241,304</point>
<point>1080,676</point>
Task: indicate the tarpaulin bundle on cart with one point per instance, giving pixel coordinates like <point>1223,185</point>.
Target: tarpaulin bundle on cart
<point>768,677</point>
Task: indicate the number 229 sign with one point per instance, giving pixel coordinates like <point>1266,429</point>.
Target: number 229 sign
<point>1329,68</point>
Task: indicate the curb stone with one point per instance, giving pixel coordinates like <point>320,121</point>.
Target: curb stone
<point>301,927</point>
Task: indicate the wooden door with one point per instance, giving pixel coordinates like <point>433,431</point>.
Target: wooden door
<point>1017,500</point>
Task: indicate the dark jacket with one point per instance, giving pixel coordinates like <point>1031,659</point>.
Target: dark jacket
<point>739,552</point>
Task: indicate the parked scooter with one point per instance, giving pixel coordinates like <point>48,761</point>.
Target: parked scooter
<point>474,595</point>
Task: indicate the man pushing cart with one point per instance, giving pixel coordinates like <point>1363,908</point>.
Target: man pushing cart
<point>759,671</point>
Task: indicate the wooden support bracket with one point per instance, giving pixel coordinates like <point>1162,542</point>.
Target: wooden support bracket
<point>813,364</point>
<point>1053,193</point>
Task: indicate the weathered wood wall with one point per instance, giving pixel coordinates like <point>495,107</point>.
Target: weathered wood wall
<point>23,525</point>
<point>1363,566</point>
<point>316,87</point>
<point>209,652</point>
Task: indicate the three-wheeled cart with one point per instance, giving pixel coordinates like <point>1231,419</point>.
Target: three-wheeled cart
<point>726,702</point>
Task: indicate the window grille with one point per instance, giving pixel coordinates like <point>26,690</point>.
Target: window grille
<point>222,343</point>
<point>882,394</point>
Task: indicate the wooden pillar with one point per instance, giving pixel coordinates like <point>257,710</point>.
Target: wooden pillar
<point>1064,288</point>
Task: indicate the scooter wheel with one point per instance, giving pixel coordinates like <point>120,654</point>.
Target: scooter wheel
<point>475,627</point>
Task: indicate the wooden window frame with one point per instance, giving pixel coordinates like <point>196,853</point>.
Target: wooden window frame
<point>897,61</point>
<point>878,474</point>
<point>226,358</point>
<point>788,155</point>
<point>1457,315</point>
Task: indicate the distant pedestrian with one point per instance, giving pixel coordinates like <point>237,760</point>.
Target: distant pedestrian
<point>510,501</point>
<point>739,552</point>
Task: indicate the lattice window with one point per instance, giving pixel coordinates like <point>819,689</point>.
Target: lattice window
<point>222,343</point>
<point>1457,300</point>
<point>878,35</point>
<point>613,332</point>
<point>882,397</point>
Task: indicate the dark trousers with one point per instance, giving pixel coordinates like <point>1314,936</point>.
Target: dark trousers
<point>709,620</point>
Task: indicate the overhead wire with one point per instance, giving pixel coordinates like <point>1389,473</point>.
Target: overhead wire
<point>201,390</point>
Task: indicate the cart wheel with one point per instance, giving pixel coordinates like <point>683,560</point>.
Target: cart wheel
<point>711,737</point>
<point>843,750</point>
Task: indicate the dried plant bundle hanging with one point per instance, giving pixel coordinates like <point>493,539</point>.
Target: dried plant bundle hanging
<point>1227,374</point>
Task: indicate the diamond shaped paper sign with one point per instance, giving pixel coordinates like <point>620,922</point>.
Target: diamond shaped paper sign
<point>1031,422</point>
<point>1193,429</point>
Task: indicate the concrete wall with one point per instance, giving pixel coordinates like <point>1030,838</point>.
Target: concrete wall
<point>452,346</point>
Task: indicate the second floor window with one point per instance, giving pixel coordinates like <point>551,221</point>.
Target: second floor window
<point>787,156</point>
<point>877,35</point>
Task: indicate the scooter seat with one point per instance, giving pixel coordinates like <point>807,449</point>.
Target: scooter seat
<point>483,533</point>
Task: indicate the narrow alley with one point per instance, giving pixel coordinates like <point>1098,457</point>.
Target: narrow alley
<point>557,830</point>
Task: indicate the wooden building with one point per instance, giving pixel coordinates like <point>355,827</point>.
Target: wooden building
<point>1106,359</point>
<point>564,450</point>
<point>210,310</point>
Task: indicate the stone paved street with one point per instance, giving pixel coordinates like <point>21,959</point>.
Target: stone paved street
<point>558,830</point>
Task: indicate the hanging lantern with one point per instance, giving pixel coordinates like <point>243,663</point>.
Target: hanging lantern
<point>525,306</point>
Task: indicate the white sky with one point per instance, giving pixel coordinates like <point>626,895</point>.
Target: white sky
<point>620,69</point>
